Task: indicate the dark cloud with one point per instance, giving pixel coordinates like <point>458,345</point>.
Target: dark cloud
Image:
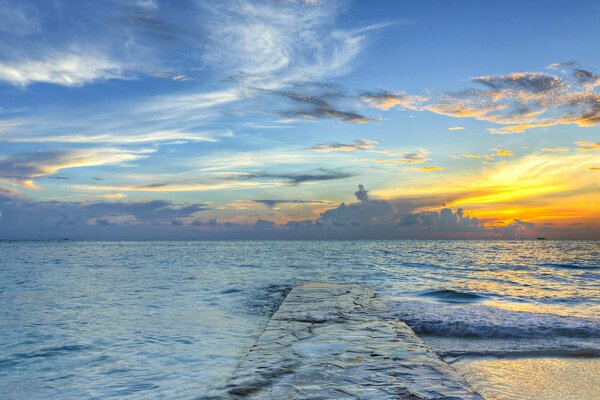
<point>362,194</point>
<point>296,179</point>
<point>103,222</point>
<point>527,81</point>
<point>24,168</point>
<point>273,203</point>
<point>28,219</point>
<point>264,224</point>
<point>585,77</point>
<point>310,100</point>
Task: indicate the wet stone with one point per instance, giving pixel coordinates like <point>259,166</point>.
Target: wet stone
<point>339,341</point>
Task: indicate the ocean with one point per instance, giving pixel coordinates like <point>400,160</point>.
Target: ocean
<point>171,320</point>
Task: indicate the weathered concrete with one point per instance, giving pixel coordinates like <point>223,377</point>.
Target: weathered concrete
<point>338,341</point>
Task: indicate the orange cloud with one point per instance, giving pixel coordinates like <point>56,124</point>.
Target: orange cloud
<point>546,187</point>
<point>588,146</point>
<point>423,169</point>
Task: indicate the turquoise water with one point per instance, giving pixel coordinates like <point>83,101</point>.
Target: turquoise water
<point>152,320</point>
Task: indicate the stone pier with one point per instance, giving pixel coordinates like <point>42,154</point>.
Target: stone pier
<point>339,341</point>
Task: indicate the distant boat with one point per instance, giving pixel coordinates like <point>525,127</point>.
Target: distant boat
<point>541,238</point>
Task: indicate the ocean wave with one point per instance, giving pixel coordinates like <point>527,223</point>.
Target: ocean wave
<point>569,266</point>
<point>478,321</point>
<point>454,296</point>
<point>571,353</point>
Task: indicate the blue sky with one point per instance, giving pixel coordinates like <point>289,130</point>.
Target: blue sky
<point>241,119</point>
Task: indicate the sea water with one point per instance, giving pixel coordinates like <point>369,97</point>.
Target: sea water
<point>171,320</point>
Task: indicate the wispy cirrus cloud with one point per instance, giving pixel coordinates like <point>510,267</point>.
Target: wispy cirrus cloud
<point>358,144</point>
<point>496,152</point>
<point>74,45</point>
<point>68,69</point>
<point>400,157</point>
<point>178,187</point>
<point>283,41</point>
<point>295,178</point>
<point>151,137</point>
<point>228,180</point>
<point>385,156</point>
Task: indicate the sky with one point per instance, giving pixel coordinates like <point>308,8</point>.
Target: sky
<point>163,119</point>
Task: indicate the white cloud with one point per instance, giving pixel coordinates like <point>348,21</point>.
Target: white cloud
<point>68,69</point>
<point>152,137</point>
<point>284,41</point>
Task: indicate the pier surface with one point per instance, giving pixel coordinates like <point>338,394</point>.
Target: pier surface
<point>339,341</point>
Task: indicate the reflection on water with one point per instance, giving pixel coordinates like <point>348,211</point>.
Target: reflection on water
<point>172,319</point>
<point>534,378</point>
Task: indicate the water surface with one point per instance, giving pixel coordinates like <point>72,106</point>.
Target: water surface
<point>172,319</point>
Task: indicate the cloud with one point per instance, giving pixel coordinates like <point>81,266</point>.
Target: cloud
<point>19,19</point>
<point>497,152</point>
<point>58,219</point>
<point>362,194</point>
<point>272,203</point>
<point>456,128</point>
<point>387,100</point>
<point>297,178</point>
<point>326,113</point>
<point>503,153</point>
<point>359,144</point>
<point>401,157</point>
<point>286,41</point>
<point>223,181</point>
<point>423,169</point>
<point>174,187</point>
<point>555,149</point>
<point>371,218</point>
<point>545,187</point>
<point>152,137</point>
<point>380,218</point>
<point>24,168</point>
<point>312,100</point>
<point>565,95</point>
<point>587,146</point>
<point>68,69</point>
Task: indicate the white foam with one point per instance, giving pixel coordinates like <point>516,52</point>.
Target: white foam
<point>481,321</point>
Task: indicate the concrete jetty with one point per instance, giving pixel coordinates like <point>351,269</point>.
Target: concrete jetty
<point>339,341</point>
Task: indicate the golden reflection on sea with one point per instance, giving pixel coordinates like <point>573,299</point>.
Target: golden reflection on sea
<point>533,378</point>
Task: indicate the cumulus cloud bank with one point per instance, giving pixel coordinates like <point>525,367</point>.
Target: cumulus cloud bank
<point>366,219</point>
